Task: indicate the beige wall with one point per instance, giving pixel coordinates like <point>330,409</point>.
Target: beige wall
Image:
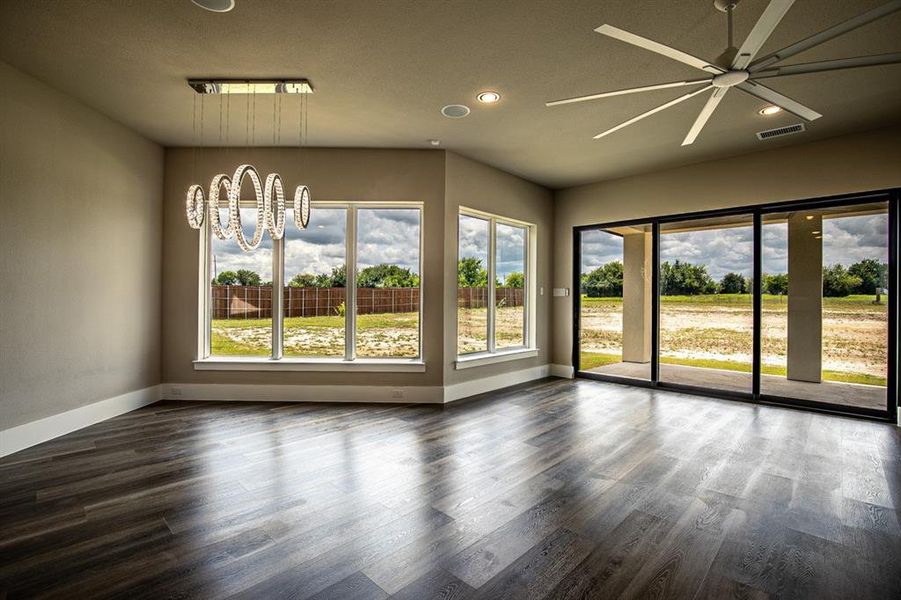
<point>847,164</point>
<point>331,174</point>
<point>79,254</point>
<point>474,185</point>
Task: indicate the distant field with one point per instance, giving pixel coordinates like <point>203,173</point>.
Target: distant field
<point>378,335</point>
<point>716,331</point>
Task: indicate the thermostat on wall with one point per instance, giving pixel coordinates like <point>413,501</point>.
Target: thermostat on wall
<point>561,291</point>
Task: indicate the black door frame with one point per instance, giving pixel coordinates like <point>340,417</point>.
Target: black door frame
<point>757,211</point>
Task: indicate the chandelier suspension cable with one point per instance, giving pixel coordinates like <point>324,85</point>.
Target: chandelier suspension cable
<point>301,193</point>
<point>195,201</point>
<point>194,140</point>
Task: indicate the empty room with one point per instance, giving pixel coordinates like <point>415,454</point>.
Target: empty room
<point>450,299</point>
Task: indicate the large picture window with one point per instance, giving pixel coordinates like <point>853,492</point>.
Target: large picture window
<point>494,275</point>
<point>350,290</point>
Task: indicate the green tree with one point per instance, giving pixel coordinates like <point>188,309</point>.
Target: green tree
<point>733,283</point>
<point>605,281</point>
<point>837,282</point>
<point>226,278</point>
<point>775,284</point>
<point>685,279</point>
<point>247,277</point>
<point>387,275</point>
<point>515,280</point>
<point>303,280</point>
<point>471,273</point>
<point>872,275</point>
<point>336,279</point>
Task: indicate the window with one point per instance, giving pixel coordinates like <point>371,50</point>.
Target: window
<point>350,290</point>
<point>241,295</point>
<point>494,285</point>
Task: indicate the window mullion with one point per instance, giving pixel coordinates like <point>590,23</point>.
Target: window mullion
<point>492,284</point>
<point>204,299</point>
<point>277,295</point>
<point>350,286</point>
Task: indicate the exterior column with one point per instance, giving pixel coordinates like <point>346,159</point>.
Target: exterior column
<point>805,297</point>
<point>637,297</point>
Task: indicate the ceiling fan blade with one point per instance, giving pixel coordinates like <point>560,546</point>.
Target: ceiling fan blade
<point>646,88</point>
<point>637,40</point>
<point>826,35</point>
<point>653,111</point>
<point>773,97</point>
<point>761,32</point>
<point>830,65</point>
<point>706,112</point>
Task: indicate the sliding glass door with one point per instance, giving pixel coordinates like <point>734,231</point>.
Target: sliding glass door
<point>825,335</point>
<point>615,292</point>
<point>793,303</point>
<point>706,315</point>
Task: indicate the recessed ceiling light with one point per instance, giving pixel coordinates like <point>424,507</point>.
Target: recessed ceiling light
<point>488,97</point>
<point>455,111</point>
<point>219,6</point>
<point>769,110</point>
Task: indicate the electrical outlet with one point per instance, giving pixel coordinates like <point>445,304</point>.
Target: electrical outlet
<point>175,392</point>
<point>397,394</point>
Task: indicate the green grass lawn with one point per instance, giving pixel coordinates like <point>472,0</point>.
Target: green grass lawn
<point>591,360</point>
<point>854,300</point>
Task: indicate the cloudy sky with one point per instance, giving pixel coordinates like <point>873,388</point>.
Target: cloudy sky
<point>511,244</point>
<point>846,240</point>
<point>383,236</point>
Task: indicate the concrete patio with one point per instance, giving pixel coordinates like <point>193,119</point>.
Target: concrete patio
<point>832,392</point>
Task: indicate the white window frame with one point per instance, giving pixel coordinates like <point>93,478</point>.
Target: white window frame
<point>205,361</point>
<point>529,349</point>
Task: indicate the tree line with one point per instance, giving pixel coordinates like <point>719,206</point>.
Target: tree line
<point>376,276</point>
<point>685,279</point>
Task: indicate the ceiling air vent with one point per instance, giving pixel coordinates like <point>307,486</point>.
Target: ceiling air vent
<point>780,131</point>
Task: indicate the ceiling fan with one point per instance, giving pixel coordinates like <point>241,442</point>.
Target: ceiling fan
<point>737,67</point>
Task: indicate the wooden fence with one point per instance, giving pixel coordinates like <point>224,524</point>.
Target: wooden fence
<point>255,302</point>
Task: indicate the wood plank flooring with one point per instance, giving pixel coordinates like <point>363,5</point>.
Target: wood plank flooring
<point>557,489</point>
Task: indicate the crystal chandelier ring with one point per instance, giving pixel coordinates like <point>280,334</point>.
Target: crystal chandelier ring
<point>219,181</point>
<point>195,206</point>
<point>234,206</point>
<point>274,205</point>
<point>302,207</point>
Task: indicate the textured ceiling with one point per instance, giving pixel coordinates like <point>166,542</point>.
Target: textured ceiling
<point>383,69</point>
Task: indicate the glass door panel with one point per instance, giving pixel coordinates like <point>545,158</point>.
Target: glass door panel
<point>824,333</point>
<point>706,311</point>
<point>615,301</point>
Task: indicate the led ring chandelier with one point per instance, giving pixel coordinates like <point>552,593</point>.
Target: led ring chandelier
<point>270,196</point>
<point>270,203</point>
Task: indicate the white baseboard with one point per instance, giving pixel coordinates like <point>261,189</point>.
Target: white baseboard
<point>495,382</point>
<point>229,392</point>
<point>30,434</point>
<point>42,430</point>
<point>564,371</point>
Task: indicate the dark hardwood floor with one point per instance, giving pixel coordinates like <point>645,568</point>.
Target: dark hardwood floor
<point>558,489</point>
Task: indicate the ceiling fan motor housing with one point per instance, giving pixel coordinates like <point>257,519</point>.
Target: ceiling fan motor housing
<point>729,79</point>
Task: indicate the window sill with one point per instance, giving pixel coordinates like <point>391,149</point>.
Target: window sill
<point>484,358</point>
<point>363,365</point>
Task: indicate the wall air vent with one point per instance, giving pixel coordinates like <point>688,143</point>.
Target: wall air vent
<point>780,131</point>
